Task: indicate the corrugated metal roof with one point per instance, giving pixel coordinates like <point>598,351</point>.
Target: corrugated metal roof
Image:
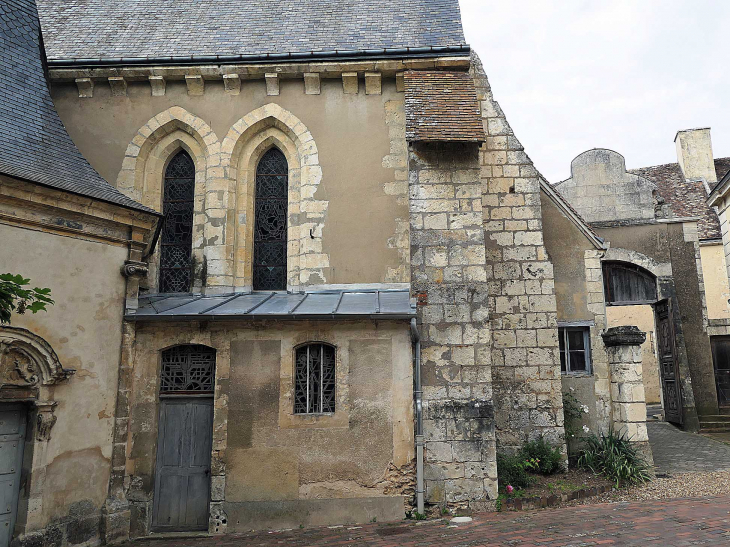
<point>335,304</point>
<point>84,29</point>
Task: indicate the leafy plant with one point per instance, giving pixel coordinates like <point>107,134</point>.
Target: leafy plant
<point>540,456</point>
<point>16,297</point>
<point>512,471</point>
<point>614,457</point>
<point>573,412</point>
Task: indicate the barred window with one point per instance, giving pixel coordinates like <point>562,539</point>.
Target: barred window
<point>314,386</point>
<point>187,369</point>
<point>176,241</point>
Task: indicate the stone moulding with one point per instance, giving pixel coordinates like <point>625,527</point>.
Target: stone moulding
<point>27,360</point>
<point>623,336</point>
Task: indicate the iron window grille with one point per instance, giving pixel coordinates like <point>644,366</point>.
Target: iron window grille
<point>270,222</point>
<point>575,350</point>
<point>187,370</point>
<point>176,241</point>
<point>314,385</point>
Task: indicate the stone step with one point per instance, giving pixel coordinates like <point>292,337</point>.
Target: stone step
<point>715,418</point>
<point>714,426</point>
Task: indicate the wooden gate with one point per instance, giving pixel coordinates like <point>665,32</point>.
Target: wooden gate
<point>668,364</point>
<point>182,477</point>
<point>12,439</point>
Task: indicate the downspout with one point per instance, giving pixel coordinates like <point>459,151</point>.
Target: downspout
<point>418,396</point>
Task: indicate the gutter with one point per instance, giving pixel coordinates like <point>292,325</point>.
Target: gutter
<point>308,56</point>
<point>418,396</point>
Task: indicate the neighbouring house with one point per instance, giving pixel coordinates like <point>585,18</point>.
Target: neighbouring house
<point>663,270</point>
<point>304,271</point>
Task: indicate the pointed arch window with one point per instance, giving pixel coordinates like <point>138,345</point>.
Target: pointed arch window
<point>177,234</point>
<point>270,222</point>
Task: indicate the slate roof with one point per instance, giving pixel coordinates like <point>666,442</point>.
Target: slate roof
<point>322,305</point>
<point>34,144</point>
<point>686,198</point>
<point>89,29</point>
<point>442,106</point>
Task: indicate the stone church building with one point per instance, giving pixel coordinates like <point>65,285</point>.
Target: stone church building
<point>304,271</point>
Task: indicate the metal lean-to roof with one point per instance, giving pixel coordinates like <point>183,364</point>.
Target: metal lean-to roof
<point>321,305</point>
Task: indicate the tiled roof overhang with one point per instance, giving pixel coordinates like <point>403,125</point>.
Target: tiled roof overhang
<point>320,305</point>
<point>442,106</point>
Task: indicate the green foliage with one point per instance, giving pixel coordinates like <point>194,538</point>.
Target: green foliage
<point>415,515</point>
<point>16,297</point>
<point>512,471</point>
<point>541,457</point>
<point>573,412</point>
<point>614,457</point>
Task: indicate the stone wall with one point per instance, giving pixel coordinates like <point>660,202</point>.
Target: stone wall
<point>522,305</point>
<point>271,467</point>
<point>449,279</point>
<point>601,190</point>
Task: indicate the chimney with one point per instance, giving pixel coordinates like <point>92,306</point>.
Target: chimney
<point>694,154</point>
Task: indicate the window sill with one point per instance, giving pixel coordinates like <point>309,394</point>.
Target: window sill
<point>577,374</point>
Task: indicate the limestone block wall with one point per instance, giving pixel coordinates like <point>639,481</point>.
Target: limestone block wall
<point>449,279</point>
<point>522,305</point>
<point>601,190</point>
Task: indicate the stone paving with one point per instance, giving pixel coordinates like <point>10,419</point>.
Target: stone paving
<point>668,523</point>
<point>676,451</point>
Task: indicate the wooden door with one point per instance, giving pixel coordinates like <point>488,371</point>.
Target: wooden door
<point>721,360</point>
<point>668,365</point>
<point>12,440</point>
<point>182,477</point>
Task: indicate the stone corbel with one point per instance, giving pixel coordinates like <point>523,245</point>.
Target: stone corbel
<point>45,420</point>
<point>134,268</point>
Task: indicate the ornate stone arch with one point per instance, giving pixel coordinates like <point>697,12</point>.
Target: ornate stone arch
<point>248,139</point>
<point>142,178</point>
<point>28,361</point>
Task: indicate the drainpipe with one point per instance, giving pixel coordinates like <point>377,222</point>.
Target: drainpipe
<point>418,395</point>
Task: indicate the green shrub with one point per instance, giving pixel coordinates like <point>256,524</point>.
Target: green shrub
<point>614,457</point>
<point>549,459</point>
<point>511,471</point>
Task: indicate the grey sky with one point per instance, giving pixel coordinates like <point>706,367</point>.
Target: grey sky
<point>621,74</point>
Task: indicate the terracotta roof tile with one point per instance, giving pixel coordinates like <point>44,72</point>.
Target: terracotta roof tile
<point>686,198</point>
<point>442,106</point>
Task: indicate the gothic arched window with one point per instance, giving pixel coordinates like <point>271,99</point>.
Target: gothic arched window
<point>177,234</point>
<point>270,222</point>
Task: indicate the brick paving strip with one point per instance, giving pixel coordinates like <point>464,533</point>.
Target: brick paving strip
<point>669,523</point>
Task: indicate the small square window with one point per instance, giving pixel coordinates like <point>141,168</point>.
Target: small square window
<point>575,354</point>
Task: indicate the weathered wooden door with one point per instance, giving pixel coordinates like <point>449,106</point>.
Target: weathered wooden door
<point>721,359</point>
<point>182,478</point>
<point>668,365</point>
<point>12,439</point>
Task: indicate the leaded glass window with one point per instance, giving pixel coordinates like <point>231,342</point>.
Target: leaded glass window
<point>187,369</point>
<point>176,240</point>
<point>270,224</point>
<point>314,385</point>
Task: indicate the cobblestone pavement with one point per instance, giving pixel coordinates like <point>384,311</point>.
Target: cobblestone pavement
<point>666,523</point>
<point>676,451</point>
